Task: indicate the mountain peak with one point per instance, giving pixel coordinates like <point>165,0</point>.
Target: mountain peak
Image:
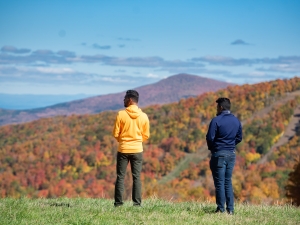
<point>173,88</point>
<point>167,90</point>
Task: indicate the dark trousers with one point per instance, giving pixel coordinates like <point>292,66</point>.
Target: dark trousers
<point>221,165</point>
<point>136,161</point>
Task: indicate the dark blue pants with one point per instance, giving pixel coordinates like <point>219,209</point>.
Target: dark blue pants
<point>136,162</point>
<point>221,165</point>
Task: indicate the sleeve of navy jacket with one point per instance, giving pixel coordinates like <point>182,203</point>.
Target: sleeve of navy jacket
<point>224,133</point>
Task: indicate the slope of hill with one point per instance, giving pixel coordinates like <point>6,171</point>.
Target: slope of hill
<point>75,155</point>
<point>202,153</point>
<point>253,180</point>
<point>168,90</point>
<point>288,134</point>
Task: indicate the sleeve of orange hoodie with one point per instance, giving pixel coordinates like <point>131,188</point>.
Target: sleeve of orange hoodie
<point>146,129</point>
<point>116,131</point>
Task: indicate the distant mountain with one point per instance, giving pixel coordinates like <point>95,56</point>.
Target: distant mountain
<point>167,90</point>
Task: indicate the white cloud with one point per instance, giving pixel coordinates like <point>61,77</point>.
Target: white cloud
<point>150,75</point>
<point>283,68</point>
<point>257,74</point>
<point>114,79</point>
<point>54,70</point>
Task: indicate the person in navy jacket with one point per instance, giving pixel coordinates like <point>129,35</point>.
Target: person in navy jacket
<point>224,133</point>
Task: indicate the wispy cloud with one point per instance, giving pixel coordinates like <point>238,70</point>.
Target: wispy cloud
<point>102,47</point>
<point>66,53</point>
<point>283,68</point>
<point>67,57</point>
<point>206,65</point>
<point>153,75</point>
<point>239,42</point>
<point>43,52</point>
<point>13,70</point>
<point>128,39</point>
<point>45,56</point>
<point>151,62</point>
<point>195,70</point>
<point>12,49</point>
<point>56,76</point>
<point>229,61</point>
<point>39,75</point>
<point>120,71</point>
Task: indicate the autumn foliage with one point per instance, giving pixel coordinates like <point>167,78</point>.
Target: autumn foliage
<point>76,155</point>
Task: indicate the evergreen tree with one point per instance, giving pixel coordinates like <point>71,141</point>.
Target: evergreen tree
<point>293,187</point>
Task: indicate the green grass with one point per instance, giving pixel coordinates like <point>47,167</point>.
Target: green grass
<point>154,211</point>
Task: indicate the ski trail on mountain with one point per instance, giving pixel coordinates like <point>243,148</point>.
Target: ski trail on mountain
<point>289,132</point>
<point>203,152</point>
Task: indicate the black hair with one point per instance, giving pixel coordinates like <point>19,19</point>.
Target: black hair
<point>133,94</point>
<point>224,102</point>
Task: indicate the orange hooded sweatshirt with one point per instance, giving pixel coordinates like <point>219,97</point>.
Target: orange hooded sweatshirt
<point>131,129</point>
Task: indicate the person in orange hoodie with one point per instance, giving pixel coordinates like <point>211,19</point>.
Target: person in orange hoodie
<point>130,130</point>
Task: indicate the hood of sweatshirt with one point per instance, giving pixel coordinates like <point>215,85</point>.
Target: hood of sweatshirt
<point>133,111</point>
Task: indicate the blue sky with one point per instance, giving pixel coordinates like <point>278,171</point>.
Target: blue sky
<point>106,46</point>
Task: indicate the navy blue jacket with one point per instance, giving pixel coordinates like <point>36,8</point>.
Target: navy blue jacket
<point>224,133</point>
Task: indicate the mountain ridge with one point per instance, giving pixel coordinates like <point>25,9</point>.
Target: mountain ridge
<point>167,90</point>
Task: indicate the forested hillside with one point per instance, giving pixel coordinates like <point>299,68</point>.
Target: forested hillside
<point>75,156</point>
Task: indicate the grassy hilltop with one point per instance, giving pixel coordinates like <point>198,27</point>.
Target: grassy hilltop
<point>154,211</point>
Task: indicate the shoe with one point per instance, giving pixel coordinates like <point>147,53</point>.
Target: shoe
<point>119,205</point>
<point>230,212</point>
<point>219,211</point>
<point>138,206</point>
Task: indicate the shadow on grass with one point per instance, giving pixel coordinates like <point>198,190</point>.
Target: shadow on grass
<point>60,204</point>
<point>209,209</point>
